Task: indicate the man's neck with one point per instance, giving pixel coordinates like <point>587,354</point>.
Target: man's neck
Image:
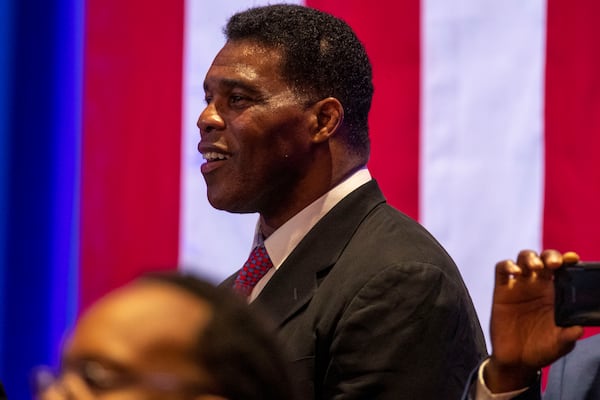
<point>266,229</point>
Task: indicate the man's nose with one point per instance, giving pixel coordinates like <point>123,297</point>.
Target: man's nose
<point>210,119</point>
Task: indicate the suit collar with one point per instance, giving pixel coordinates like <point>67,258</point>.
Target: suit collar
<point>286,238</point>
<point>294,283</point>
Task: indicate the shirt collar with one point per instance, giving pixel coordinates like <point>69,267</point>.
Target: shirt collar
<point>281,242</point>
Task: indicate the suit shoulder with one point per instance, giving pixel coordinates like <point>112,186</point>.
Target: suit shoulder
<point>388,236</point>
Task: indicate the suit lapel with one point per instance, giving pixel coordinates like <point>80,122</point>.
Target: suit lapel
<point>294,283</point>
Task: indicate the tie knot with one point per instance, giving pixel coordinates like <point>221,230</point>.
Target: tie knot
<point>253,270</point>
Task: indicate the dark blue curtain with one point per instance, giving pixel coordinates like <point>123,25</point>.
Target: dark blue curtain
<point>40,121</point>
<point>5,90</point>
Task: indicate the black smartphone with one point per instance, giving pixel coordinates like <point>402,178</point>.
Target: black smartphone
<point>577,294</point>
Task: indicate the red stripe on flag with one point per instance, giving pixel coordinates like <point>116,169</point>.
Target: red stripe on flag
<point>391,35</point>
<point>572,119</point>
<point>131,141</point>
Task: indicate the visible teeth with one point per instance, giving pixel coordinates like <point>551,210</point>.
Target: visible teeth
<point>212,156</point>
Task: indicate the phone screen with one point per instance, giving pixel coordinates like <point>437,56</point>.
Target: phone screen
<point>577,294</point>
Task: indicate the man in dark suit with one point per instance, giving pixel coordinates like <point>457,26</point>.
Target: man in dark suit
<point>525,338</point>
<point>368,304</point>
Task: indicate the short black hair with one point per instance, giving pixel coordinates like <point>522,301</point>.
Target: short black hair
<point>321,57</point>
<point>238,347</point>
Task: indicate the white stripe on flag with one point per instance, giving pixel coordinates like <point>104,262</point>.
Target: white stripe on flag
<point>212,243</point>
<point>482,133</point>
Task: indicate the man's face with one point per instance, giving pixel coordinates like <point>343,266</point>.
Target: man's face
<point>137,343</point>
<point>254,132</point>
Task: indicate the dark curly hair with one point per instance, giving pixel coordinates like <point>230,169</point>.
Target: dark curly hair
<point>321,57</point>
<point>238,347</point>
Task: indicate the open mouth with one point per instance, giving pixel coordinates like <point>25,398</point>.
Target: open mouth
<point>214,156</point>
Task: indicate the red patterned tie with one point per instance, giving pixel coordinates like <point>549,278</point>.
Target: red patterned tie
<point>253,270</point>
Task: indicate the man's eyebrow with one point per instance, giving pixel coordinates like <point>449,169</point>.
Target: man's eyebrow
<point>235,83</point>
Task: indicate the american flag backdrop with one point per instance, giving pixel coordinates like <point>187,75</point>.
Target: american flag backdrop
<point>485,127</point>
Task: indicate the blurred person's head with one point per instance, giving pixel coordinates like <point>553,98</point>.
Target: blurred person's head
<point>168,336</point>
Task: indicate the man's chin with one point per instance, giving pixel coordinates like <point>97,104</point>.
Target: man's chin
<point>229,206</point>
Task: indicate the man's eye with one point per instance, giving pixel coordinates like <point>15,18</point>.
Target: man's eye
<point>238,100</point>
<point>98,377</point>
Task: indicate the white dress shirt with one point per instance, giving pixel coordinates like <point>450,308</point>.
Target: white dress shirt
<point>483,393</point>
<point>282,242</point>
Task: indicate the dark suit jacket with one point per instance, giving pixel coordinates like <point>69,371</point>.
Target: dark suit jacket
<point>370,306</point>
<point>575,376</point>
<point>2,394</point>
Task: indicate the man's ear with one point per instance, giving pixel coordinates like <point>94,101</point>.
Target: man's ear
<point>330,115</point>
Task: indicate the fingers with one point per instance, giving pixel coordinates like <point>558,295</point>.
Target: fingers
<point>531,265</point>
<point>568,336</point>
<point>506,271</point>
<point>570,257</point>
<point>543,265</point>
<point>529,262</point>
<point>552,259</point>
<point>567,339</point>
